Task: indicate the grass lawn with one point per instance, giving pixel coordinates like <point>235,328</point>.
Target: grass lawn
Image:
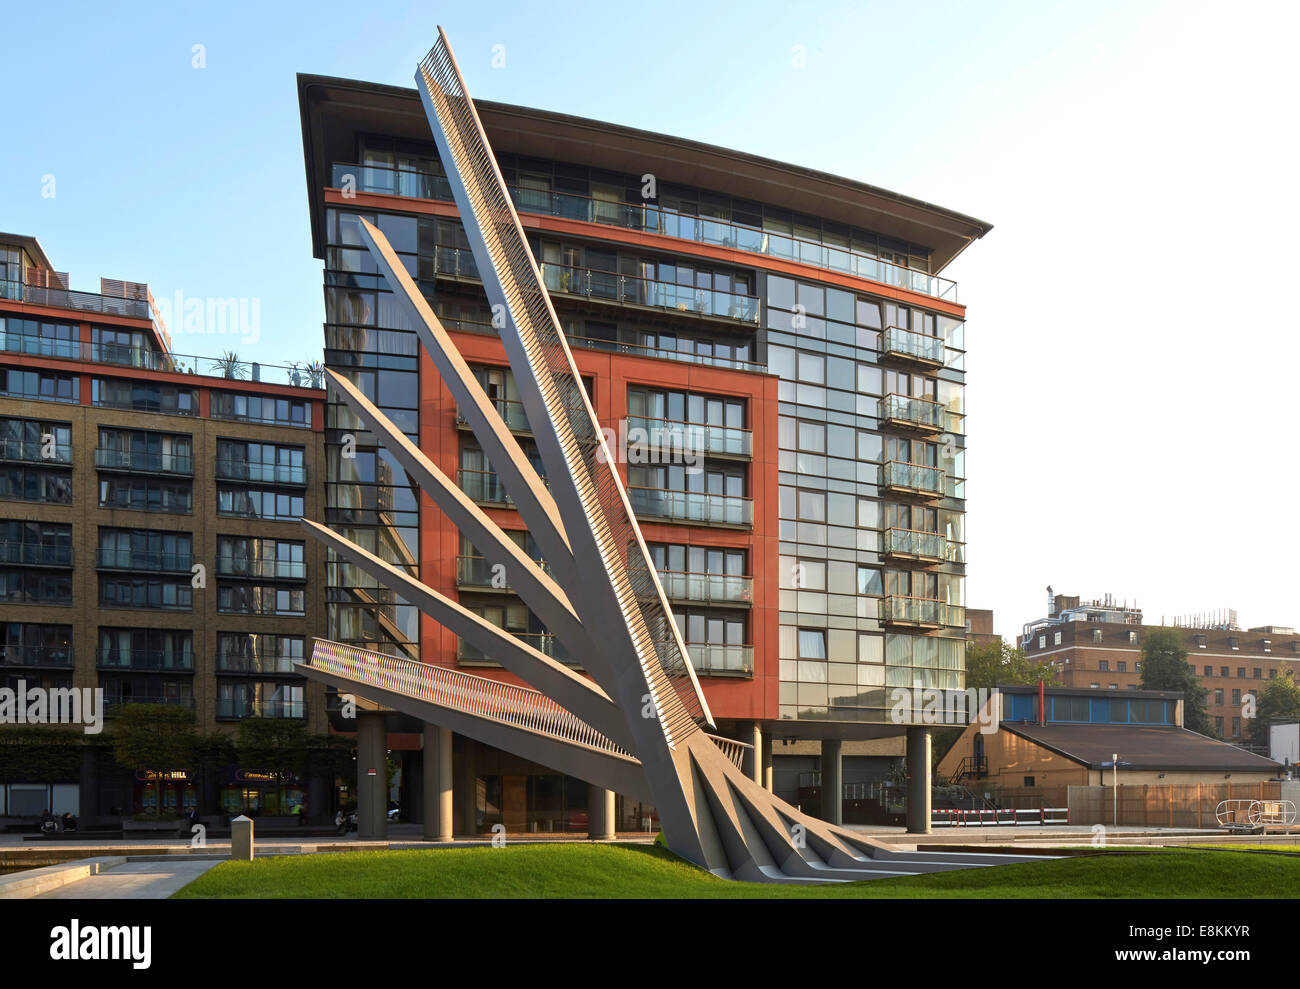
<point>639,871</point>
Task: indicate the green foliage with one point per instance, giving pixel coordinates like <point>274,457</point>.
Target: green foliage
<point>1165,667</point>
<point>40,752</point>
<point>273,745</point>
<point>991,663</point>
<point>331,756</point>
<point>1278,701</point>
<point>155,737</point>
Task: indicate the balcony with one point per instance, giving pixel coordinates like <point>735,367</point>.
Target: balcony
<point>270,663</point>
<point>913,413</point>
<point>511,413</point>
<point>900,477</point>
<point>914,544</point>
<point>63,298</point>
<point>248,470</point>
<point>258,568</point>
<point>922,612</point>
<point>112,705</point>
<point>650,217</point>
<point>690,437</point>
<point>54,657</point>
<point>145,462</point>
<point>916,348</point>
<point>143,561</point>
<point>543,642</point>
<point>233,708</point>
<point>609,286</point>
<point>478,572</point>
<point>143,659</point>
<point>692,506</point>
<point>483,486</point>
<point>715,659</point>
<point>707,588</point>
<point>21,552</point>
<point>34,452</point>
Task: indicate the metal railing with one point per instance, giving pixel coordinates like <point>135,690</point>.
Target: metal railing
<point>664,353</point>
<point>110,558</point>
<point>903,610</point>
<point>732,749</point>
<point>920,347</point>
<point>113,704</point>
<point>111,658</point>
<point>228,662</point>
<point>651,217</point>
<point>63,298</point>
<point>146,461</point>
<point>610,286</point>
<point>511,412</point>
<point>34,554</point>
<point>253,470</point>
<point>707,588</point>
<point>915,543</point>
<point>718,658</point>
<point>690,437</point>
<point>57,656</point>
<point>915,478</point>
<point>483,485</point>
<point>477,571</point>
<point>240,707</point>
<point>544,642</point>
<point>493,700</point>
<point>692,506</point>
<point>919,412</point>
<point>33,451</point>
<point>256,566</point>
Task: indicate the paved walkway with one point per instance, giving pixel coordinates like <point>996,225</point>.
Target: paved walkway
<point>134,881</point>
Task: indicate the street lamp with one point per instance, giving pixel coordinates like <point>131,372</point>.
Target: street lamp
<point>1115,764</point>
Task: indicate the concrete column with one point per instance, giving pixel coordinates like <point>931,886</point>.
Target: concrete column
<point>918,780</point>
<point>754,757</point>
<point>466,786</point>
<point>832,781</point>
<point>600,813</point>
<point>768,781</point>
<point>437,783</point>
<point>372,776</point>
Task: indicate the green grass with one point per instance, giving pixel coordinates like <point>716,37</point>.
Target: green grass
<point>638,871</point>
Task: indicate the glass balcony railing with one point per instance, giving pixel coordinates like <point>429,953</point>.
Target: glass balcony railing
<point>268,568</point>
<point>713,659</point>
<point>109,558</point>
<point>511,413</point>
<point>145,461</point>
<point>543,642</point>
<point>250,470</point>
<point>650,217</point>
<point>690,437</point>
<point>919,413</point>
<point>909,345</point>
<point>692,506</point>
<point>228,662</point>
<point>915,544</point>
<point>248,707</point>
<point>483,485</point>
<point>35,451</point>
<point>63,298</point>
<point>33,554</point>
<point>114,702</point>
<point>60,657</point>
<point>477,571</point>
<point>707,588</point>
<point>901,610</point>
<point>917,479</point>
<point>630,290</point>
<point>143,659</point>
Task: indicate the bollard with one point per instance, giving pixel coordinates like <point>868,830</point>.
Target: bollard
<point>241,838</point>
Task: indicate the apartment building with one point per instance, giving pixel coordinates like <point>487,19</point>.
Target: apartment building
<point>1098,643</point>
<point>774,351</point>
<point>150,542</point>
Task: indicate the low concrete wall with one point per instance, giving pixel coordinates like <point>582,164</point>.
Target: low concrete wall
<point>34,882</point>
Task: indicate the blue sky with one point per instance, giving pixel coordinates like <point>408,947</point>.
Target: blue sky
<point>1129,327</point>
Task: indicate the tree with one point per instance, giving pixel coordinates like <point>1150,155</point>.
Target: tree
<point>157,738</point>
<point>1165,667</point>
<point>991,663</point>
<point>1278,701</point>
<point>273,745</point>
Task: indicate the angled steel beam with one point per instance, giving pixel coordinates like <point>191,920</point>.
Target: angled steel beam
<point>529,492</point>
<point>534,586</point>
<point>576,693</point>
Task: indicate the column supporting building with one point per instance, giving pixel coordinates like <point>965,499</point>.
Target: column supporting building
<point>372,776</point>
<point>918,780</point>
<point>437,783</point>
<point>754,757</point>
<point>600,813</point>
<point>832,780</point>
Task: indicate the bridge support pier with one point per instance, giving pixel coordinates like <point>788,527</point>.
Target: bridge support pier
<point>437,783</point>
<point>768,781</point>
<point>372,776</point>
<point>754,757</point>
<point>918,780</point>
<point>832,780</point>
<point>466,787</point>
<point>600,813</point>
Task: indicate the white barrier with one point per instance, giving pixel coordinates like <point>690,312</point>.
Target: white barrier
<point>1006,817</point>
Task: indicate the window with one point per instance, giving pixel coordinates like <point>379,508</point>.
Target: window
<point>1056,638</point>
<point>1132,637</point>
<point>262,408</point>
<point>1218,726</point>
<point>1121,666</point>
<point>1241,672</point>
<point>44,386</point>
<point>1234,642</point>
<point>1236,727</point>
<point>812,643</point>
<point>1236,695</point>
<point>1272,674</point>
<point>1259,673</point>
<point>1200,641</point>
<point>145,396</point>
<point>1096,635</point>
<point>1218,695</point>
<point>1029,781</point>
<point>1103,666</point>
<point>1042,642</point>
<point>1209,671</point>
<point>145,494</point>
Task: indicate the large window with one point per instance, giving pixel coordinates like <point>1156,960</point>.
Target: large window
<point>145,396</point>
<point>261,408</point>
<point>146,494</point>
<point>42,386</point>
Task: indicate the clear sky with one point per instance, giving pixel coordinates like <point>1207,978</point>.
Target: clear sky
<point>1130,316</point>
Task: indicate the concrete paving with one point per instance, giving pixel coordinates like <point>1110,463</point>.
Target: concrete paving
<point>134,881</point>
